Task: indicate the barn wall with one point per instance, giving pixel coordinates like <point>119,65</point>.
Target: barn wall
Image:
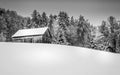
<point>31,39</point>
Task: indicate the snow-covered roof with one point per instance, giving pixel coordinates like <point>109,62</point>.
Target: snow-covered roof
<point>30,32</point>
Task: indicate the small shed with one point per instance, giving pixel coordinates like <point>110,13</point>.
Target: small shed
<point>29,35</point>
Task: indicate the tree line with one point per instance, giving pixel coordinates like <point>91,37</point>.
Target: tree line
<point>63,29</point>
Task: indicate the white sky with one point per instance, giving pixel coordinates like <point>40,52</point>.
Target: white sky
<point>94,10</point>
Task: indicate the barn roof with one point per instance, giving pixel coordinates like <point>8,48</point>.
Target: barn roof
<point>30,32</point>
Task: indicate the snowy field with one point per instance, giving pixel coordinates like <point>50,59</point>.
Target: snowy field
<point>47,59</point>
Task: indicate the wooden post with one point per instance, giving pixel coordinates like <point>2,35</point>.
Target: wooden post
<point>32,39</point>
<point>41,39</point>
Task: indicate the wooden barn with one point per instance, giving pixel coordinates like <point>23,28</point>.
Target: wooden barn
<point>33,35</point>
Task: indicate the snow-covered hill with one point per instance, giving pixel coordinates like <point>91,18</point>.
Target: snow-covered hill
<point>47,59</point>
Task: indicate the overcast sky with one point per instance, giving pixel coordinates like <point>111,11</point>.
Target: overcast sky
<point>94,10</point>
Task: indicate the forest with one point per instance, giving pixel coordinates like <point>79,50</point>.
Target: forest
<point>63,29</point>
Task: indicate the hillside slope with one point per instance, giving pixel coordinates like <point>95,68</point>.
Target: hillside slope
<point>47,59</point>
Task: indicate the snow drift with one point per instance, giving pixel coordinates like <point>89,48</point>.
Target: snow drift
<point>48,59</point>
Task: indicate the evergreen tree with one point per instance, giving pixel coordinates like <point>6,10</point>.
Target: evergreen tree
<point>83,32</point>
<point>72,21</point>
<point>111,33</point>
<point>34,16</point>
<point>104,29</point>
<point>10,22</point>
<point>63,20</point>
<point>44,19</point>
